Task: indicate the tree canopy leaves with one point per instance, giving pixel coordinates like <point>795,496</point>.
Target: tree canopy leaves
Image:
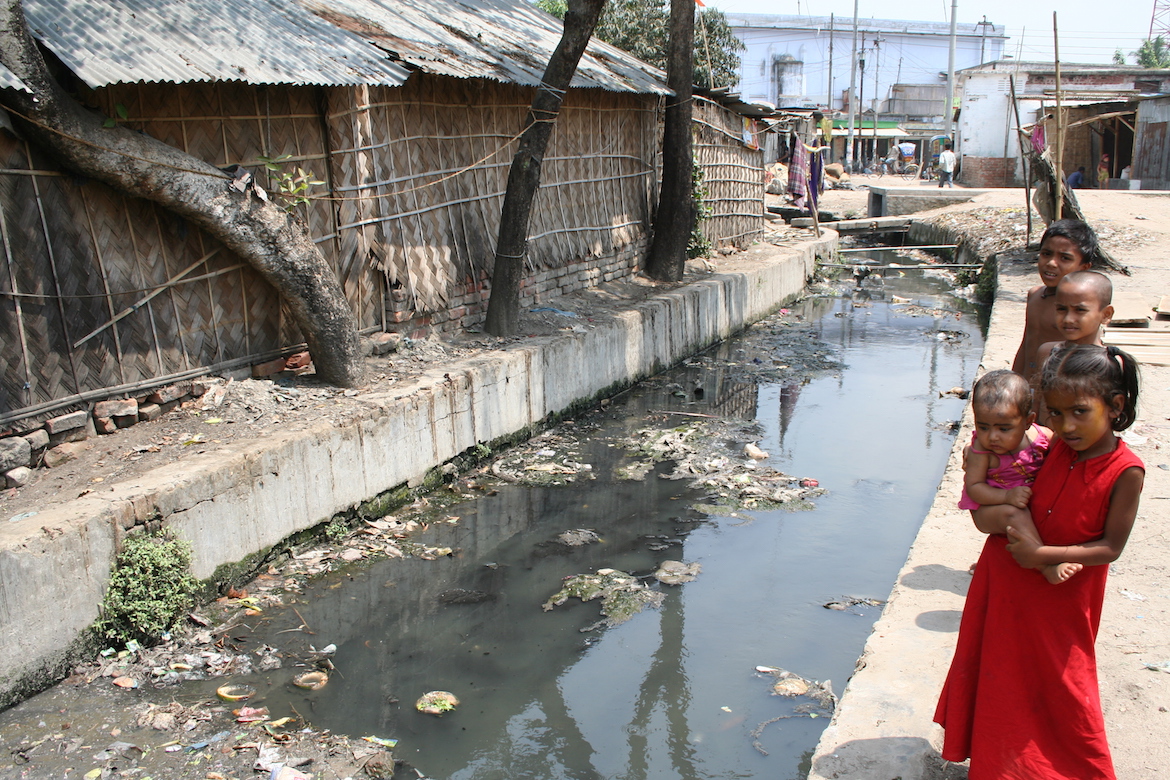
<point>640,27</point>
<point>1153,53</point>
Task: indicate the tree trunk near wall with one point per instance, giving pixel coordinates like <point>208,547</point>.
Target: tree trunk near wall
<point>274,242</point>
<point>503,314</point>
<point>676,207</point>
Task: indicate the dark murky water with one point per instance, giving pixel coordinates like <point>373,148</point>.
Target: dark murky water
<point>841,389</point>
<point>673,693</point>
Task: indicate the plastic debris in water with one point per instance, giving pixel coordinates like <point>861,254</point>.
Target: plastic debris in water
<point>235,692</point>
<point>312,681</point>
<point>677,572</point>
<point>754,452</point>
<point>436,703</point>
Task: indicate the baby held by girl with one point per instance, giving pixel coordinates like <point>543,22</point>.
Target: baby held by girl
<point>999,466</point>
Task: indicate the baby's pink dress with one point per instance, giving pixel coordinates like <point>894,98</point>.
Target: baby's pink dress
<point>1020,472</point>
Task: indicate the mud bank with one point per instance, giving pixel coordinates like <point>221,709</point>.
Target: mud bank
<point>883,728</point>
<point>237,503</point>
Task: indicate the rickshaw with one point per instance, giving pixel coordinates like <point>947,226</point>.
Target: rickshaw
<point>934,148</point>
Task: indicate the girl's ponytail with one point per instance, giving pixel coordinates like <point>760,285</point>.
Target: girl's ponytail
<point>1128,386</point>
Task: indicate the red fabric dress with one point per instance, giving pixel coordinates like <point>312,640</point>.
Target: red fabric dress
<point>1021,698</point>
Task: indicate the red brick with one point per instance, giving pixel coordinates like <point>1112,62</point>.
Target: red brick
<point>115,407</point>
<point>66,422</point>
<point>164,395</point>
<point>268,369</point>
<point>149,412</point>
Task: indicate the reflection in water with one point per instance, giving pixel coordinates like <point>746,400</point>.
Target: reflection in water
<point>673,692</point>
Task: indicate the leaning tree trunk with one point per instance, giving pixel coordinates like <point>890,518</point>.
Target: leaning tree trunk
<point>1048,182</point>
<point>676,206</point>
<point>503,314</point>
<point>275,243</point>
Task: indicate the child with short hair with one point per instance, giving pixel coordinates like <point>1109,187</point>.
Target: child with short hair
<point>1084,306</point>
<point>1006,451</point>
<point>1067,245</point>
<point>1022,698</point>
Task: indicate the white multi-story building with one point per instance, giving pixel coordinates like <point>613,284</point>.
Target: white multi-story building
<point>787,62</point>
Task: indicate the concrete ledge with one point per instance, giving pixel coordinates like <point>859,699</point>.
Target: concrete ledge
<point>240,501</point>
<point>896,201</point>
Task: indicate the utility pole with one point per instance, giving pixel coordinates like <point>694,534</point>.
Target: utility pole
<point>861,101</point>
<point>852,93</point>
<point>877,98</point>
<point>983,39</point>
<point>829,96</point>
<point>949,115</point>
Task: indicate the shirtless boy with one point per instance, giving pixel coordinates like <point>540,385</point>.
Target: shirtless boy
<point>1067,245</point>
<point>1083,304</point>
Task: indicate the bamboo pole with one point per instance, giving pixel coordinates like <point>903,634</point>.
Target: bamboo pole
<point>1059,124</point>
<point>1024,159</point>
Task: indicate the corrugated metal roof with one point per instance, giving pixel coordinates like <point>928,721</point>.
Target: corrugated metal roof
<point>328,42</point>
<point>506,40</point>
<point>8,79</point>
<point>255,41</point>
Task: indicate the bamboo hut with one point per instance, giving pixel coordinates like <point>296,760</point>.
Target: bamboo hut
<point>408,114</point>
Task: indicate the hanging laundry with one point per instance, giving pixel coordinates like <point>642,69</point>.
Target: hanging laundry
<point>798,173</point>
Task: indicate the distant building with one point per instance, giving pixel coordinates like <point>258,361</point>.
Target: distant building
<point>904,70</point>
<point>1103,105</point>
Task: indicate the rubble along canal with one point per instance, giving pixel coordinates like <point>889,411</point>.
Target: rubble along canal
<point>847,388</point>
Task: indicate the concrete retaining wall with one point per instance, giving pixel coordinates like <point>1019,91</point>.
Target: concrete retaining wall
<point>898,201</point>
<point>240,501</point>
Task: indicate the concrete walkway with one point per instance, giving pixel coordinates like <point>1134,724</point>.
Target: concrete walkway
<point>883,729</point>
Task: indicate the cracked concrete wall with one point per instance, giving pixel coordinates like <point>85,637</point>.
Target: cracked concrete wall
<point>243,499</point>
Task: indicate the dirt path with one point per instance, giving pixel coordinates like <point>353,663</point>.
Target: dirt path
<point>890,724</point>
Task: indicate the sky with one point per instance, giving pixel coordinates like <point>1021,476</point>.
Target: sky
<point>1086,34</point>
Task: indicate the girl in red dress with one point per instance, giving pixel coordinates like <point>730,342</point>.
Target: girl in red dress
<point>1021,698</point>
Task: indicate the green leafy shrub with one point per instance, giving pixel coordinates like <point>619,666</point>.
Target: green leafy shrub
<point>151,588</point>
<point>699,245</point>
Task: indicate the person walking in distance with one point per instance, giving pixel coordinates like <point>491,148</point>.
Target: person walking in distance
<point>946,166</point>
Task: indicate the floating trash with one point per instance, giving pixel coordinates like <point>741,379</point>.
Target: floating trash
<point>792,685</point>
<point>312,681</point>
<point>125,682</point>
<point>846,602</point>
<point>436,703</point>
<point>578,537</point>
<point>235,692</point>
<point>754,452</point>
<point>699,455</point>
<point>677,572</point>
<point>622,595</point>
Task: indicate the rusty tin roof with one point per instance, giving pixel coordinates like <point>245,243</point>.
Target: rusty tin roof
<point>326,42</point>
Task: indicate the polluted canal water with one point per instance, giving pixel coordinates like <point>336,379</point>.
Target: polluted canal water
<point>845,391</point>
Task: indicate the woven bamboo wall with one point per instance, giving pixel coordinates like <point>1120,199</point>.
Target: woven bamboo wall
<point>733,174</point>
<point>101,295</point>
<point>421,171</point>
<point>130,294</point>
